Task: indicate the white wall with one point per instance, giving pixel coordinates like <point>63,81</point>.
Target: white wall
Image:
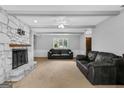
<point>109,35</point>
<point>43,43</point>
<point>82,44</point>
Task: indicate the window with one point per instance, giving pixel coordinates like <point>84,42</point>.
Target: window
<point>60,43</point>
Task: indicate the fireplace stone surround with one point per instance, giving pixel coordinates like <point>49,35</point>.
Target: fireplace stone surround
<point>7,73</point>
<point>8,35</point>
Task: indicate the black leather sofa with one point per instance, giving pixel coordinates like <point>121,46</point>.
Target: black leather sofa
<point>60,54</point>
<point>101,68</point>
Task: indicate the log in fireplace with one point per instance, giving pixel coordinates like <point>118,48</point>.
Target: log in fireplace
<point>19,57</point>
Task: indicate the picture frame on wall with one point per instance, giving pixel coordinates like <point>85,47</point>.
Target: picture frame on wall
<point>62,43</point>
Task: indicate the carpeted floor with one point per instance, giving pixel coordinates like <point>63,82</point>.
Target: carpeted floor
<point>55,74</point>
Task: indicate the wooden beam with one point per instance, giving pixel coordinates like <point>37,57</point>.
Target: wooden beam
<point>19,45</point>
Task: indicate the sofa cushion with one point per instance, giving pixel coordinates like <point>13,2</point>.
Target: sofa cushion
<point>64,51</point>
<point>104,57</point>
<point>92,55</point>
<point>56,55</point>
<point>65,54</point>
<point>81,57</point>
<point>56,51</point>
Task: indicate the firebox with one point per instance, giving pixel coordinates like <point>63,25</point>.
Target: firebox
<point>19,57</point>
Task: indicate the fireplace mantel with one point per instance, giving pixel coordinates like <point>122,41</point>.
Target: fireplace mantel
<point>19,45</point>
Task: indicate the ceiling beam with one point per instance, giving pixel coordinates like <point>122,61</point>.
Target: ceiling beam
<point>64,13</point>
<point>65,26</point>
<point>58,33</point>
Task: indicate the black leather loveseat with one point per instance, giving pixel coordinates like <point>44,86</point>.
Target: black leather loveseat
<point>101,67</point>
<point>60,54</point>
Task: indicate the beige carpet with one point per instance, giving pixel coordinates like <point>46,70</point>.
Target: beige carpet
<point>55,74</point>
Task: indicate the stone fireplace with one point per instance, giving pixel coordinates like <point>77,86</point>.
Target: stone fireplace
<point>19,57</point>
<point>22,62</point>
<point>16,50</point>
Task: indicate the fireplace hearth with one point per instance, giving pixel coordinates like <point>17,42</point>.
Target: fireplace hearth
<point>19,57</point>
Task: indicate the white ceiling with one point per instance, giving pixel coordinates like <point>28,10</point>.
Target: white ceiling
<point>90,20</point>
<point>72,15</point>
<point>61,7</point>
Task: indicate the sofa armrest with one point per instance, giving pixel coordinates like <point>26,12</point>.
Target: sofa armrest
<point>102,73</point>
<point>70,52</point>
<point>81,57</point>
<point>49,53</point>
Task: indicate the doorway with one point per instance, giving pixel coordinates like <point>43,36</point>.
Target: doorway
<point>88,44</point>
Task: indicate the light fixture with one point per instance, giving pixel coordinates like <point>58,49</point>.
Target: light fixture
<point>61,21</point>
<point>35,21</point>
<point>61,26</point>
<point>88,32</point>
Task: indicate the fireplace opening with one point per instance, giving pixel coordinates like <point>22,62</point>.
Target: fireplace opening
<point>19,57</point>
